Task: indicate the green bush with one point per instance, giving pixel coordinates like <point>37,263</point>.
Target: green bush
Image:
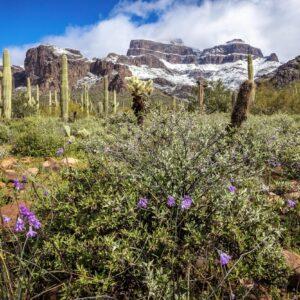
<point>4,133</point>
<point>101,243</point>
<point>38,137</point>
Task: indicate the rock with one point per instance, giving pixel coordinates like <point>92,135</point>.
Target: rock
<point>292,195</point>
<point>293,262</point>
<point>26,160</point>
<point>2,185</point>
<point>43,66</point>
<point>284,75</point>
<point>51,164</point>
<point>8,163</point>
<point>10,174</point>
<point>12,211</point>
<point>69,161</point>
<point>31,172</point>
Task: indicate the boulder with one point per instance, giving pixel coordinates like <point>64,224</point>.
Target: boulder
<point>292,260</point>
<point>69,161</point>
<point>8,163</point>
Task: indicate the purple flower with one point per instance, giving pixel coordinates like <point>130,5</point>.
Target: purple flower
<point>24,211</point>
<point>232,189</point>
<point>143,203</point>
<point>20,225</point>
<point>46,193</point>
<point>6,219</point>
<point>224,259</point>
<point>18,185</point>
<point>186,202</point>
<point>31,233</point>
<point>60,151</point>
<point>33,221</point>
<point>30,216</point>
<point>232,180</point>
<point>291,203</point>
<point>171,201</point>
<point>24,179</point>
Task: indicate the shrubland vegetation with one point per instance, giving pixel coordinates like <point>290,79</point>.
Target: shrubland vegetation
<point>183,207</point>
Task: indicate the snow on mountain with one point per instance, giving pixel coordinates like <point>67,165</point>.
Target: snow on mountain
<point>231,74</point>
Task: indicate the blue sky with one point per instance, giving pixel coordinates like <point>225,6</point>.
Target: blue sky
<point>27,21</point>
<point>98,27</point>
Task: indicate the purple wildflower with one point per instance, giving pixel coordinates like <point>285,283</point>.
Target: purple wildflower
<point>143,203</point>
<point>6,219</point>
<point>186,202</point>
<point>30,216</point>
<point>232,180</point>
<point>232,189</point>
<point>46,193</point>
<point>31,233</point>
<point>18,185</point>
<point>224,259</point>
<point>60,151</point>
<point>171,201</point>
<point>24,179</point>
<point>20,225</point>
<point>33,221</point>
<point>291,203</point>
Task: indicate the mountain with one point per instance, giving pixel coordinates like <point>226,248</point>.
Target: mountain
<point>174,67</point>
<point>284,75</point>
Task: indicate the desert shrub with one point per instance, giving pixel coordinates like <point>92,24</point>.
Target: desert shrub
<point>20,107</point>
<point>270,100</point>
<point>4,133</point>
<point>103,238</point>
<point>38,137</point>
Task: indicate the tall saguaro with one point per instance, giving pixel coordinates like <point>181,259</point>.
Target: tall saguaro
<point>1,104</point>
<point>6,85</point>
<point>250,68</point>
<point>105,106</point>
<point>201,95</point>
<point>64,95</point>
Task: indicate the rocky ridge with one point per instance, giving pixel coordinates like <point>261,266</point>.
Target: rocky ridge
<point>172,66</point>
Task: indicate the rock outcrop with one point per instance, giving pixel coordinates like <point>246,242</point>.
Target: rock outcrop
<point>42,65</point>
<point>284,75</point>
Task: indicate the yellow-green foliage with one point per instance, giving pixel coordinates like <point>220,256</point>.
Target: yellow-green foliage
<point>139,88</point>
<point>270,100</point>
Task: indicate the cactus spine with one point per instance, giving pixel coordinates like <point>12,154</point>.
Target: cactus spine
<point>105,104</point>
<point>6,85</point>
<point>250,68</point>
<point>116,104</point>
<point>64,95</point>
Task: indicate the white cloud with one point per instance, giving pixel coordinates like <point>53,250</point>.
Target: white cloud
<point>272,25</point>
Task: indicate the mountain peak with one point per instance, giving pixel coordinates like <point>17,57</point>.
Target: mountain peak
<point>236,41</point>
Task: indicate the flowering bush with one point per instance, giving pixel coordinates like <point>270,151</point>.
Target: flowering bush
<point>177,208</point>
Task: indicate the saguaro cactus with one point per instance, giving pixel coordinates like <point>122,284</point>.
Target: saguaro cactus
<point>140,91</point>
<point>29,95</point>
<point>1,104</point>
<point>116,104</point>
<point>6,85</point>
<point>200,95</point>
<point>105,104</point>
<point>86,100</point>
<point>174,103</point>
<point>55,98</point>
<point>37,98</point>
<point>64,94</point>
<point>250,68</point>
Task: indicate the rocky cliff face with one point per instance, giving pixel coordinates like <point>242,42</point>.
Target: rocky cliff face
<point>43,64</point>
<point>172,66</point>
<point>285,74</point>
